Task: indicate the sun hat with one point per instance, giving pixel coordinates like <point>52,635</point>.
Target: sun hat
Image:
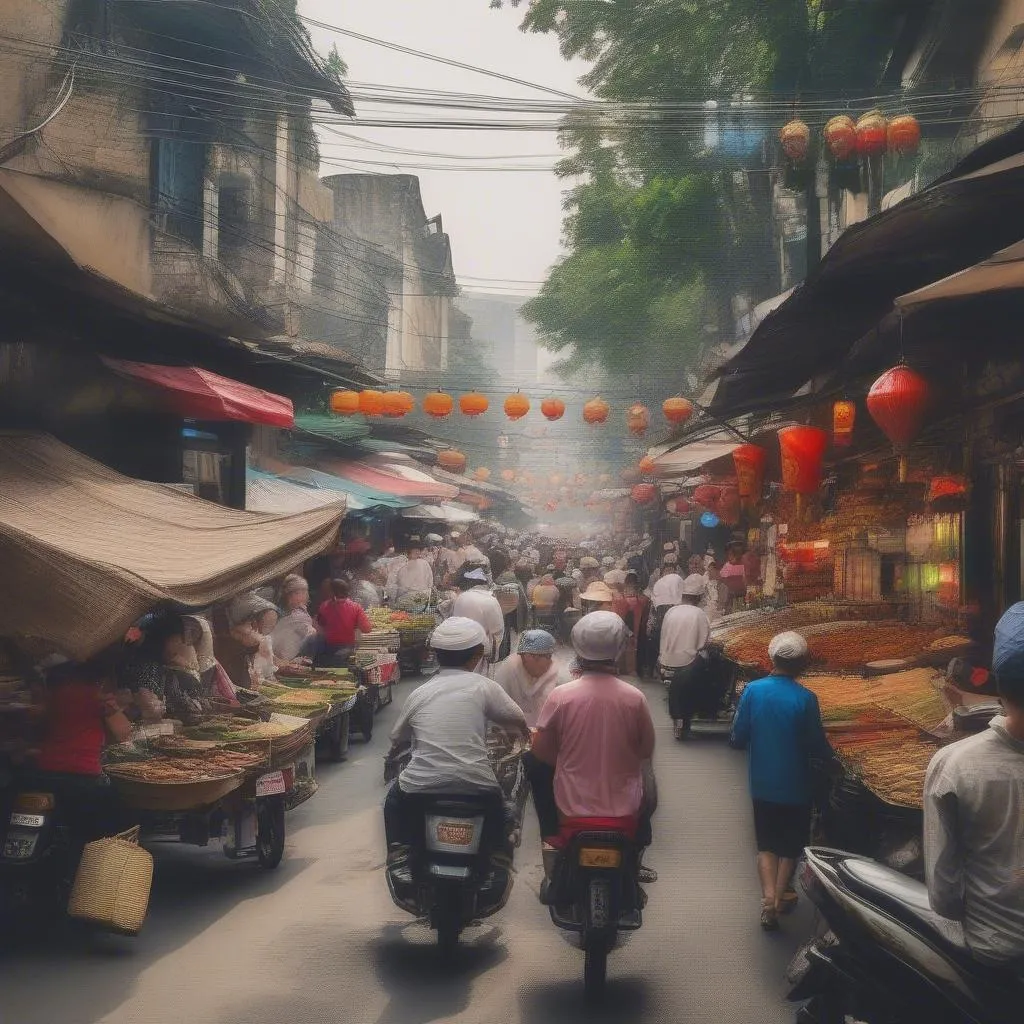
<point>598,591</point>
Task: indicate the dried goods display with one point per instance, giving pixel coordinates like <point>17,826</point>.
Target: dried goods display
<point>168,769</point>
<point>236,730</point>
<point>892,762</point>
<point>911,696</point>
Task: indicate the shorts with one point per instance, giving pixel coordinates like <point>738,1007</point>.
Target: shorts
<point>782,829</point>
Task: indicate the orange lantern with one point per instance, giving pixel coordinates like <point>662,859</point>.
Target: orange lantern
<point>904,135</point>
<point>872,134</point>
<point>637,420</point>
<point>396,404</point>
<point>516,406</point>
<point>596,411</point>
<point>473,404</point>
<point>344,403</point>
<point>844,416</point>
<point>677,410</point>
<point>552,409</point>
<point>453,461</point>
<point>508,475</point>
<point>438,405</point>
<point>644,494</point>
<point>749,462</point>
<point>841,137</point>
<point>648,467</point>
<point>802,451</point>
<point>482,474</point>
<point>371,403</point>
<point>796,139</point>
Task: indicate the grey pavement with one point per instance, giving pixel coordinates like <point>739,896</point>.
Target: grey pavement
<point>318,941</point>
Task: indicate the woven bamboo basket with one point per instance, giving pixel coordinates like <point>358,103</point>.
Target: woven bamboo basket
<point>113,882</point>
<point>174,796</point>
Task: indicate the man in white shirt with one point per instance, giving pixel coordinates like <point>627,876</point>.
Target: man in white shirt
<point>476,602</point>
<point>668,588</point>
<point>685,631</point>
<point>445,721</point>
<point>414,577</point>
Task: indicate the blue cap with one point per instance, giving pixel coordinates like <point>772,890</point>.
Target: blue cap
<point>1008,652</point>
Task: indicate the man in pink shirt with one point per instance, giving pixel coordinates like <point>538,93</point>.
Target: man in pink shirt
<point>598,733</point>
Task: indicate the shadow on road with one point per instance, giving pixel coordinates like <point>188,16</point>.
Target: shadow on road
<point>625,999</point>
<point>422,988</point>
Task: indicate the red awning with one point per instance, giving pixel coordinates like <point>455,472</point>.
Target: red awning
<point>389,483</point>
<point>198,394</point>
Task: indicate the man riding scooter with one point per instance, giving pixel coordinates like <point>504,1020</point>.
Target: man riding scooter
<point>445,721</point>
<point>598,734</point>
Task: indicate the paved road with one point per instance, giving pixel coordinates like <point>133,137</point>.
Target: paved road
<point>318,941</point>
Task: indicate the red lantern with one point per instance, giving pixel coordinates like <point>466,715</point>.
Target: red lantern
<point>677,507</point>
<point>749,462</point>
<point>945,487</point>
<point>802,451</point>
<point>872,134</point>
<point>796,139</point>
<point>596,411</point>
<point>677,409</point>
<point>552,409</point>
<point>707,495</point>
<point>637,420</point>
<point>648,467</point>
<point>344,403</point>
<point>644,494</point>
<point>897,402</point>
<point>453,461</point>
<point>473,404</point>
<point>438,405</point>
<point>729,506</point>
<point>516,406</point>
<point>371,402</point>
<point>904,135</point>
<point>844,416</point>
<point>841,137</point>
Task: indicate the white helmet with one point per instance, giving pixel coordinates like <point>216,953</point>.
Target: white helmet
<point>599,636</point>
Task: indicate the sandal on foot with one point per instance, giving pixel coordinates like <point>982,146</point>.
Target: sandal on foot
<point>769,918</point>
<point>787,903</point>
<point>645,876</point>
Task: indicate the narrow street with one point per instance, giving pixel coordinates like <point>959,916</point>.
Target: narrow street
<point>319,941</point>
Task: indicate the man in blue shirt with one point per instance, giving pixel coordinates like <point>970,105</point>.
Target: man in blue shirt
<point>779,721</point>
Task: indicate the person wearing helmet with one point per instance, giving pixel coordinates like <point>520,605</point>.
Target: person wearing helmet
<point>445,722</point>
<point>597,733</point>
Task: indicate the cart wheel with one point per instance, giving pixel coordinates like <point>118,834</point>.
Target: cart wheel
<point>270,831</point>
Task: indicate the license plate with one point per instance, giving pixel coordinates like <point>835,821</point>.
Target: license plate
<point>19,847</point>
<point>271,784</point>
<point>600,858</point>
<point>28,820</point>
<point>454,833</point>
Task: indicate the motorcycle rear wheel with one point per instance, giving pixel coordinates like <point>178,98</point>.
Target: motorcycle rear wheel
<point>595,969</point>
<point>449,925</point>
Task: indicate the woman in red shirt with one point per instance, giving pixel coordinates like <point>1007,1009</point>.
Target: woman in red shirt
<point>342,623</point>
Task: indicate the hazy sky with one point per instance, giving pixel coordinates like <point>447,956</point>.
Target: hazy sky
<point>504,226</point>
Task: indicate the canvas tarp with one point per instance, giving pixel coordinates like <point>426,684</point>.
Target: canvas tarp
<point>265,492</point>
<point>86,552</point>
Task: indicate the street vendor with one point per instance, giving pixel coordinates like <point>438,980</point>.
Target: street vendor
<point>238,643</point>
<point>363,589</point>
<point>342,623</point>
<point>414,577</point>
<point>295,631</point>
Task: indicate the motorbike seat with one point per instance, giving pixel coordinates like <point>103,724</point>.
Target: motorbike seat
<point>907,901</point>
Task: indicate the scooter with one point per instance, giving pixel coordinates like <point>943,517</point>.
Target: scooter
<point>452,877</point>
<point>712,689</point>
<point>887,957</point>
<point>595,894</point>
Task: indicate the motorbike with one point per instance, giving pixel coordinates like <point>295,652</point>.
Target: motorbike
<point>595,895</point>
<point>712,688</point>
<point>886,956</point>
<point>452,877</point>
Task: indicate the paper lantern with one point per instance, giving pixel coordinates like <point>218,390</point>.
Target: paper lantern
<point>648,467</point>
<point>844,416</point>
<point>473,404</point>
<point>438,405</point>
<point>904,135</point>
<point>344,403</point>
<point>596,411</point>
<point>371,403</point>
<point>638,419</point>
<point>897,402</point>
<point>841,137</point>
<point>482,474</point>
<point>796,139</point>
<point>677,507</point>
<point>872,133</point>
<point>451,460</point>
<point>516,406</point>
<point>707,495</point>
<point>508,475</point>
<point>644,494</point>
<point>396,404</point>
<point>677,410</point>
<point>552,409</point>
<point>802,451</point>
<point>749,462</point>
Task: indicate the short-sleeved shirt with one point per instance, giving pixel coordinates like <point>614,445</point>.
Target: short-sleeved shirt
<point>446,721</point>
<point>780,722</point>
<point>340,620</point>
<point>598,732</point>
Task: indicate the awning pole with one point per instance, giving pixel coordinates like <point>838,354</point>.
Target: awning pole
<point>724,424</point>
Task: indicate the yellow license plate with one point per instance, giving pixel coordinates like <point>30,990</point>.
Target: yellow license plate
<point>592,858</point>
